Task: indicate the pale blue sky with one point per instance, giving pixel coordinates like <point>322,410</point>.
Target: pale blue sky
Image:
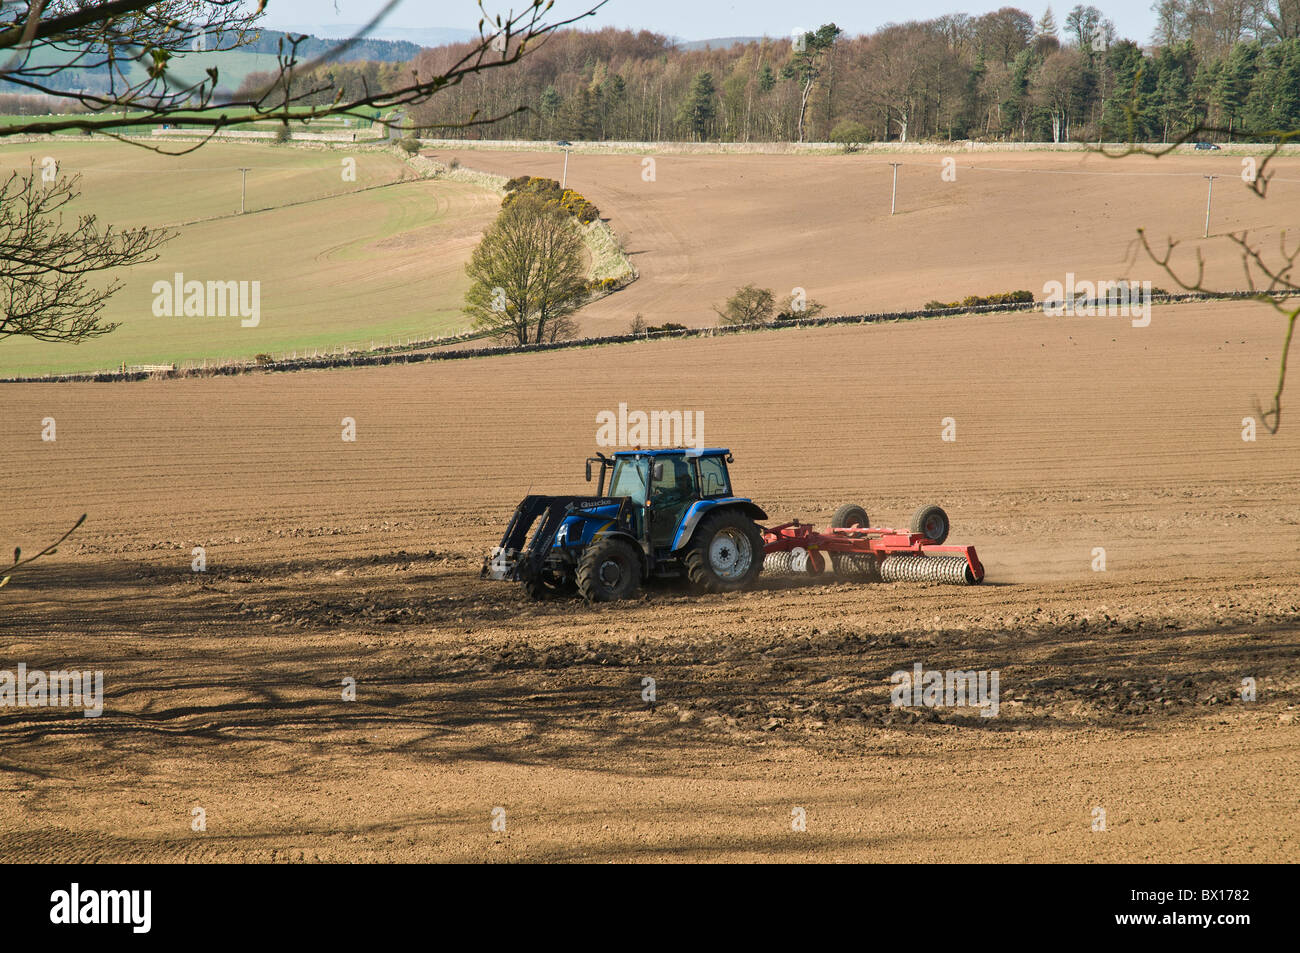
<point>699,19</point>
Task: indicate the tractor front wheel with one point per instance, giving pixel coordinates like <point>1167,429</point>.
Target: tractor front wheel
<point>610,569</point>
<point>726,552</point>
<point>545,586</point>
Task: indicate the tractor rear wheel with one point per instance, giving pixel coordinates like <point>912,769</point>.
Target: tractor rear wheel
<point>850,514</point>
<point>932,522</point>
<point>726,553</point>
<point>610,569</point>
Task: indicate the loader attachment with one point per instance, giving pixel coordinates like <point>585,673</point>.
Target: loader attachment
<point>519,557</point>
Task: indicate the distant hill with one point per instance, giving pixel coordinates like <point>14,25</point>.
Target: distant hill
<point>370,48</point>
<point>417,36</point>
<point>717,43</point>
<point>232,65</point>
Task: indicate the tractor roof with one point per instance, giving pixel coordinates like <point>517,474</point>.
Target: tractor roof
<point>664,451</point>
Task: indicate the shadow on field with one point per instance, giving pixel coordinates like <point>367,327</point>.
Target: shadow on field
<point>211,663</point>
<point>584,705</point>
<point>761,829</point>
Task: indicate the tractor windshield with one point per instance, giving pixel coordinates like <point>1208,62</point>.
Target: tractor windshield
<point>629,480</point>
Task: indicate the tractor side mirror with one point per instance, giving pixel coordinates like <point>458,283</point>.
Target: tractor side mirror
<point>657,472</point>
<point>588,471</point>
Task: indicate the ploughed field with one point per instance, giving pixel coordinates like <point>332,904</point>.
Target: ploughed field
<point>330,560</point>
<point>699,227</point>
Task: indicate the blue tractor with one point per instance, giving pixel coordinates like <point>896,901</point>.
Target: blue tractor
<point>667,513</point>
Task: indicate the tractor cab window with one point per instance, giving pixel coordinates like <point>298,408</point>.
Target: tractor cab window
<point>673,481</point>
<point>713,477</point>
<point>629,480</point>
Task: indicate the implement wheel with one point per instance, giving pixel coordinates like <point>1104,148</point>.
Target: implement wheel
<point>850,514</point>
<point>932,522</point>
<point>610,569</point>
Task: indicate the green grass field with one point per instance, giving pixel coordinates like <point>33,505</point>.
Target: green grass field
<point>187,69</point>
<point>336,266</point>
<point>325,124</point>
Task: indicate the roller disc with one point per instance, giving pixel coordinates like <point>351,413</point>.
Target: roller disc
<point>950,569</point>
<point>855,567</point>
<point>777,564</point>
<point>802,560</point>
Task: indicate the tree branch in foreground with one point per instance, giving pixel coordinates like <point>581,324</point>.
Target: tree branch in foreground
<point>49,550</point>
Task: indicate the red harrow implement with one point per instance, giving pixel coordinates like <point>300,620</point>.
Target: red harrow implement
<point>859,550</point>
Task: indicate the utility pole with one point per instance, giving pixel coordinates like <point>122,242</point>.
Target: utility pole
<point>893,198</point>
<point>564,183</point>
<point>243,188</point>
<point>1208,198</point>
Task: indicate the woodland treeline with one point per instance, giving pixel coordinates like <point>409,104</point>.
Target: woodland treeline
<point>1229,64</point>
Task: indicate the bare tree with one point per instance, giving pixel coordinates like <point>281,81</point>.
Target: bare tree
<point>1003,34</point>
<point>527,273</point>
<point>49,550</point>
<point>44,266</point>
<point>135,43</point>
<point>43,38</point>
<point>1273,280</point>
<point>749,305</point>
<point>1271,277</point>
<point>896,60</point>
<point>1281,19</point>
<point>1055,89</point>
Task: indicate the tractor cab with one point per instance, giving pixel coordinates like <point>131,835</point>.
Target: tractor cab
<point>651,511</point>
<point>665,484</point>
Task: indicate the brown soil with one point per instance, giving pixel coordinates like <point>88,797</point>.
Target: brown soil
<point>329,560</point>
<point>707,225</point>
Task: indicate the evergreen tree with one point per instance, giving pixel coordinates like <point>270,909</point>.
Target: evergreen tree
<point>698,109</point>
<point>1047,24</point>
<point>1172,94</point>
<point>1127,115</point>
<point>1233,85</point>
<point>578,118</point>
<point>548,109</point>
<point>807,63</point>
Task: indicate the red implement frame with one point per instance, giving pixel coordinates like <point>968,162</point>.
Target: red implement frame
<point>856,540</point>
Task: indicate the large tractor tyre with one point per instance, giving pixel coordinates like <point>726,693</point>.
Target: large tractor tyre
<point>850,514</point>
<point>932,522</point>
<point>726,553</point>
<point>609,570</point>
